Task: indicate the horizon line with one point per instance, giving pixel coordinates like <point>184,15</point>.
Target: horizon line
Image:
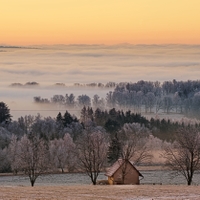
<point>96,44</point>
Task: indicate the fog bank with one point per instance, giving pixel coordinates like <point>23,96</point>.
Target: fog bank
<point>71,64</point>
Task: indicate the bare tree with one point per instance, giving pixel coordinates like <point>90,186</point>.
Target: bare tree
<point>133,140</point>
<point>98,102</point>
<point>58,99</point>
<point>84,100</point>
<point>167,104</point>
<point>158,104</point>
<point>92,151</point>
<point>139,97</point>
<point>70,100</point>
<point>149,101</point>
<point>32,157</point>
<point>184,157</point>
<point>26,122</point>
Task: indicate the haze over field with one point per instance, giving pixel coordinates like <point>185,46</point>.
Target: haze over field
<point>69,64</point>
<point>99,63</point>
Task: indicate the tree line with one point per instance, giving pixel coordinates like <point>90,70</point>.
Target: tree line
<point>141,97</point>
<point>34,145</point>
<point>99,85</point>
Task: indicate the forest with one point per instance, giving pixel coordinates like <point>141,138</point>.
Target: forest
<point>105,130</point>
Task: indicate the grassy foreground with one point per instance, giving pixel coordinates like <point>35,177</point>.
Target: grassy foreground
<point>90,192</point>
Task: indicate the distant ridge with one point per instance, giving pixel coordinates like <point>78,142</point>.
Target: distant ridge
<point>10,47</point>
<point>17,47</point>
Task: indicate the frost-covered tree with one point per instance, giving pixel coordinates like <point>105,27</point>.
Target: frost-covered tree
<point>83,100</point>
<point>132,144</point>
<point>149,101</point>
<point>131,100</point>
<point>110,101</point>
<point>100,117</point>
<point>62,153</point>
<point>86,114</point>
<point>98,102</point>
<point>139,100</point>
<point>26,122</point>
<point>40,100</point>
<point>45,128</point>
<point>168,87</point>
<point>58,99</point>
<point>74,129</point>
<point>95,100</point>
<point>4,161</point>
<point>70,100</point>
<point>133,139</point>
<point>184,157</point>
<point>177,102</point>
<point>195,106</point>
<point>167,104</point>
<point>158,104</point>
<point>5,137</point>
<point>15,128</point>
<point>13,151</point>
<point>91,153</point>
<point>31,157</point>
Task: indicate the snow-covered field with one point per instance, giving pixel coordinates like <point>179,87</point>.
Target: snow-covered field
<point>90,192</point>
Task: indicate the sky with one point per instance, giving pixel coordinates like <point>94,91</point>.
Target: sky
<point>36,22</point>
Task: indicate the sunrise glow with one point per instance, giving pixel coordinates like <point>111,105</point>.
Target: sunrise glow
<point>99,22</point>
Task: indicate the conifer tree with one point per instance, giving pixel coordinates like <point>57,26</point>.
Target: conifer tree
<point>4,113</point>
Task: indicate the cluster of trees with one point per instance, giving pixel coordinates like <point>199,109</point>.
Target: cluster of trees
<point>143,96</point>
<point>99,85</point>
<point>26,84</point>
<point>171,96</point>
<point>71,102</point>
<point>35,145</point>
<point>35,153</point>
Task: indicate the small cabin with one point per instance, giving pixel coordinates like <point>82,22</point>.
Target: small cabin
<point>123,172</point>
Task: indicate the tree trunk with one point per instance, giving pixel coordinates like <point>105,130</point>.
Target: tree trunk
<point>94,179</point>
<point>32,182</point>
<point>94,182</point>
<point>189,182</point>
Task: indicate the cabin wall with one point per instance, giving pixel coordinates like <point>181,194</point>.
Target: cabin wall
<point>131,175</point>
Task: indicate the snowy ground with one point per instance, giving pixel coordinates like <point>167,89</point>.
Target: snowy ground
<point>90,192</point>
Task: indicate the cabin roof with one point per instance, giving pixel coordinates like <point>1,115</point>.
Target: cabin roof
<point>117,165</point>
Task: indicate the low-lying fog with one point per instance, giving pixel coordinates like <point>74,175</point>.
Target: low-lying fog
<point>48,65</point>
<point>21,100</point>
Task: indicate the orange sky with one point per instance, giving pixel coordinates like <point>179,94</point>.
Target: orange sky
<point>27,22</point>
